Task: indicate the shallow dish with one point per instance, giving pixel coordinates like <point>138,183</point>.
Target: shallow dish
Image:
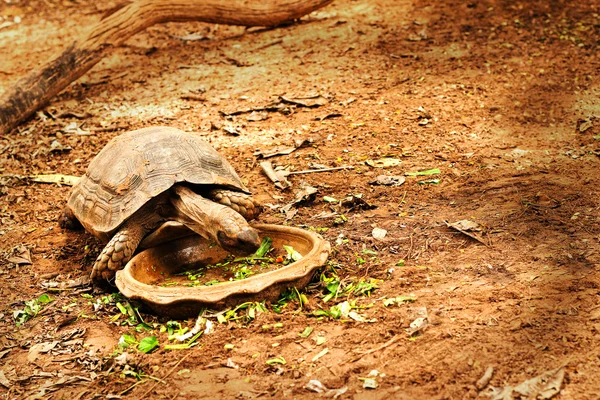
<point>156,263</point>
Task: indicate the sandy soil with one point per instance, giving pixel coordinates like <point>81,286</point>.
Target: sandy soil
<point>501,96</point>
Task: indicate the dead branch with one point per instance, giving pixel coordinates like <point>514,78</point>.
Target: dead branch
<point>33,91</point>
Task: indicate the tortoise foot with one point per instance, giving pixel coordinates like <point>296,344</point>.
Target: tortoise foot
<point>67,220</point>
<point>243,203</point>
<point>114,256</point>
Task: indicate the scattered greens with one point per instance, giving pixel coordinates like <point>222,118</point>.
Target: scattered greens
<point>434,171</point>
<point>306,332</point>
<point>399,300</point>
<point>187,345</point>
<point>341,219</point>
<point>335,287</point>
<point>276,360</point>
<point>292,254</point>
<point>233,269</point>
<point>32,308</point>
<point>126,340</point>
<point>147,344</point>
<point>251,309</point>
<point>264,248</point>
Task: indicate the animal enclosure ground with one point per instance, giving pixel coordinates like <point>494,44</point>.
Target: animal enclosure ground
<point>500,96</point>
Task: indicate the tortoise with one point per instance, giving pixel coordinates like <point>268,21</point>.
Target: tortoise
<point>145,178</point>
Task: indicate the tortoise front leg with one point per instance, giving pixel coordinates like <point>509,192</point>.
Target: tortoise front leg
<point>123,244</point>
<point>243,203</point>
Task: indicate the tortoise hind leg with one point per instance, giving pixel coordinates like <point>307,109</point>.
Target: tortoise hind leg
<point>123,244</point>
<point>67,220</point>
<point>243,203</point>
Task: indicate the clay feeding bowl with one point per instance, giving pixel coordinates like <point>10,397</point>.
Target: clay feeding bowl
<point>138,280</point>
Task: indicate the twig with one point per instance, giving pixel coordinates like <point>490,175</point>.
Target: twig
<point>269,44</point>
<point>145,395</point>
<point>383,346</point>
<point>410,248</point>
<point>192,96</point>
<point>132,386</point>
<point>310,171</point>
<point>402,199</point>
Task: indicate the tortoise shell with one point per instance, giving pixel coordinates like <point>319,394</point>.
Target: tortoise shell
<point>137,166</point>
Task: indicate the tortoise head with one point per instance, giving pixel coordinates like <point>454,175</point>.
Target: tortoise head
<point>239,241</point>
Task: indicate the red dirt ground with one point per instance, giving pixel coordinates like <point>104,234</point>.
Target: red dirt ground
<point>501,96</point>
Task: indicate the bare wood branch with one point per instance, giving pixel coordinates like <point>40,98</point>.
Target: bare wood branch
<point>32,92</point>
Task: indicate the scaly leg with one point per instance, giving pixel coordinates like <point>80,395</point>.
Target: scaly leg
<point>243,203</point>
<point>123,244</point>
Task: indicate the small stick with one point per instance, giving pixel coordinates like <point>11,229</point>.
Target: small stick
<point>145,395</point>
<point>485,379</point>
<point>383,346</point>
<point>310,171</point>
<point>278,41</point>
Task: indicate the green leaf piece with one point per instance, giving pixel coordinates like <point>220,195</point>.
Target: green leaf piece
<point>148,344</point>
<point>276,360</point>
<point>306,332</point>
<point>292,254</point>
<point>434,171</point>
<point>264,248</point>
<point>44,299</point>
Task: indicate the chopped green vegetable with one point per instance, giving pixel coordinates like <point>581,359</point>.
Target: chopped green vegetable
<point>148,344</point>
<point>334,312</point>
<point>143,327</point>
<point>364,288</point>
<point>306,332</point>
<point>126,341</point>
<point>434,171</point>
<point>276,360</point>
<point>329,199</point>
<point>291,253</point>
<point>32,308</point>
<point>242,273</point>
<point>44,299</point>
<point>341,219</point>
<point>121,308</point>
<point>264,248</point>
<point>182,346</point>
<point>172,326</point>
<point>399,300</point>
